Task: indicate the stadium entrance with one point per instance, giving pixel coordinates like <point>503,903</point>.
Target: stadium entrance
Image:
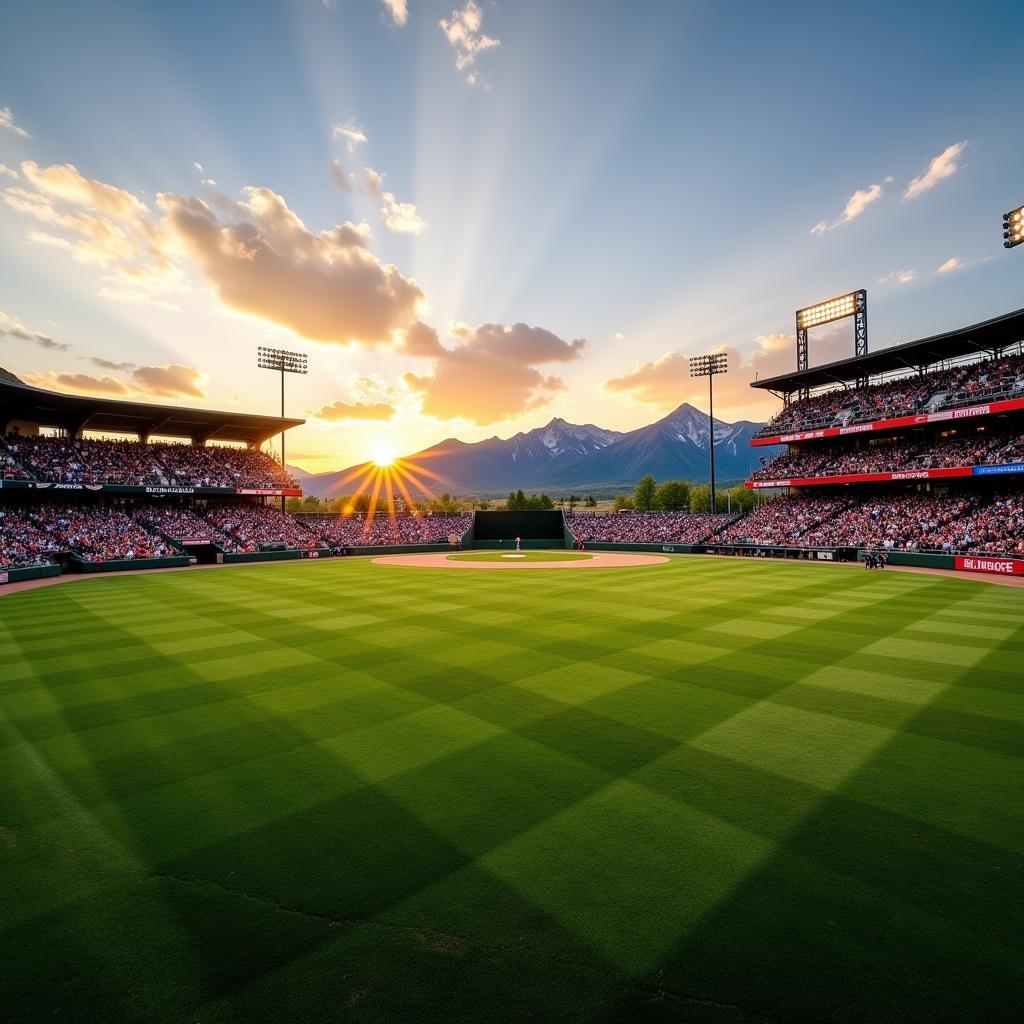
<point>535,529</point>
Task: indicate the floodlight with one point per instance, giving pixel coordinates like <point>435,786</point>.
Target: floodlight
<point>1013,227</point>
<point>853,304</point>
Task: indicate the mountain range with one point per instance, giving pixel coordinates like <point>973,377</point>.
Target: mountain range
<point>561,456</point>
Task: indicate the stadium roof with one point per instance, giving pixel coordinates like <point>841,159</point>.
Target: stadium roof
<point>21,401</point>
<point>987,337</point>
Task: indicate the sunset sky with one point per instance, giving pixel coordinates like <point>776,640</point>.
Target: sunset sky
<point>476,216</point>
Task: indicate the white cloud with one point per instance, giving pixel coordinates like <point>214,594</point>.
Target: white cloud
<point>398,10</point>
<point>347,411</point>
<point>464,35</point>
<point>855,206</point>
<point>8,172</point>
<point>943,166</point>
<point>341,177</point>
<point>352,134</point>
<point>398,217</point>
<point>65,183</point>
<point>899,277</point>
<point>954,263</point>
<point>619,336</point>
<point>11,327</point>
<point>7,121</point>
<point>198,166</point>
<point>493,374</point>
<point>262,260</point>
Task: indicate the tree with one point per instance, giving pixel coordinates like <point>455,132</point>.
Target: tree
<point>574,500</point>
<point>623,503</point>
<point>645,493</point>
<point>700,498</point>
<point>673,496</point>
<point>590,501</point>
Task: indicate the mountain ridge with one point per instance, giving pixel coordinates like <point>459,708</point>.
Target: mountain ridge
<point>563,455</point>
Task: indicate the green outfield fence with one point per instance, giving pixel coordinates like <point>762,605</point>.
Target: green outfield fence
<point>29,572</point>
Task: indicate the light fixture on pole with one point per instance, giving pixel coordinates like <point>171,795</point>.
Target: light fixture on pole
<point>709,366</point>
<point>1013,227</point>
<point>283,361</point>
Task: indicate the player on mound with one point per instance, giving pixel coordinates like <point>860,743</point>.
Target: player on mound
<point>518,542</point>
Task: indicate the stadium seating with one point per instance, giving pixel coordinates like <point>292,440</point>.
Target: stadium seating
<point>133,463</point>
<point>379,530</point>
<point>971,448</point>
<point>22,541</point>
<point>247,528</point>
<point>645,527</point>
<point>986,381</point>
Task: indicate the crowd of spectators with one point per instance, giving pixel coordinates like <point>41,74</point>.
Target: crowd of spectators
<point>135,464</point>
<point>909,522</point>
<point>85,461</point>
<point>99,533</point>
<point>221,466</point>
<point>971,448</point>
<point>179,523</point>
<point>988,380</point>
<point>788,520</point>
<point>248,527</point>
<point>645,527</point>
<point>380,530</point>
<point>22,541</point>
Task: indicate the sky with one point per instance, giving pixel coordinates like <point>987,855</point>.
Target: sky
<point>475,216</point>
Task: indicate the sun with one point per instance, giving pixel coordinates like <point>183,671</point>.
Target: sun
<point>383,454</point>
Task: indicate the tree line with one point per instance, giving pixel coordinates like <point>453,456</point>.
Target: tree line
<point>683,496</point>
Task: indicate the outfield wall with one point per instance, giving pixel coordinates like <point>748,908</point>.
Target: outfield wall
<point>678,549</point>
<point>548,527</point>
<point>133,564</point>
<point>241,557</point>
<point>404,549</point>
<point>30,572</point>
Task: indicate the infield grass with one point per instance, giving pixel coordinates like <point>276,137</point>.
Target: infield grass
<point>522,556</point>
<point>704,791</point>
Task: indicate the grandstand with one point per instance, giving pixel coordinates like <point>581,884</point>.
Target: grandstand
<point>915,448</point>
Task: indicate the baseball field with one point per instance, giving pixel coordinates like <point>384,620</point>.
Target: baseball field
<point>717,792</point>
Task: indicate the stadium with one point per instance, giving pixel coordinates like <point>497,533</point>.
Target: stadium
<point>670,788</point>
<point>457,563</point>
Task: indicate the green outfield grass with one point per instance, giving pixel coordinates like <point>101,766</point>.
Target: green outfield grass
<point>523,556</point>
<point>704,791</point>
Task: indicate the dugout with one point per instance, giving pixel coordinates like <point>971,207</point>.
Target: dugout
<point>536,529</point>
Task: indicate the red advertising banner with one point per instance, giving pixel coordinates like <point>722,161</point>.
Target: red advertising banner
<point>990,564</point>
<point>271,492</point>
<point>862,478</point>
<point>965,412</point>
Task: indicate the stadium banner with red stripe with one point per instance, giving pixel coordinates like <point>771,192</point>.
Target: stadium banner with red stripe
<point>897,423</point>
<point>990,564</point>
<point>863,478</point>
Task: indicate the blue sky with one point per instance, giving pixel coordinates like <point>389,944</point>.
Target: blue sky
<point>642,176</point>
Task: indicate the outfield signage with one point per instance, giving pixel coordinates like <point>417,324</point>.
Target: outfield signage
<point>995,566</point>
<point>883,478</point>
<point>897,423</point>
<point>53,485</point>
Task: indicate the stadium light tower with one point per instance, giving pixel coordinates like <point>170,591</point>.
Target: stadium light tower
<point>709,366</point>
<point>1013,227</point>
<point>283,361</point>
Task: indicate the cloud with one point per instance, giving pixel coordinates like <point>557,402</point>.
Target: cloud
<point>11,327</point>
<point>899,277</point>
<point>421,340</point>
<point>665,383</point>
<point>943,166</point>
<point>341,411</point>
<point>463,32</point>
<point>619,336</point>
<point>397,9</point>
<point>855,206</point>
<point>169,381</point>
<point>65,182</point>
<point>173,380</point>
<point>8,172</point>
<point>494,374</point>
<point>198,166</point>
<point>341,178</point>
<point>7,121</point>
<point>351,132</point>
<point>954,263</point>
<point>398,217</point>
<point>262,260</point>
<point>108,364</point>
